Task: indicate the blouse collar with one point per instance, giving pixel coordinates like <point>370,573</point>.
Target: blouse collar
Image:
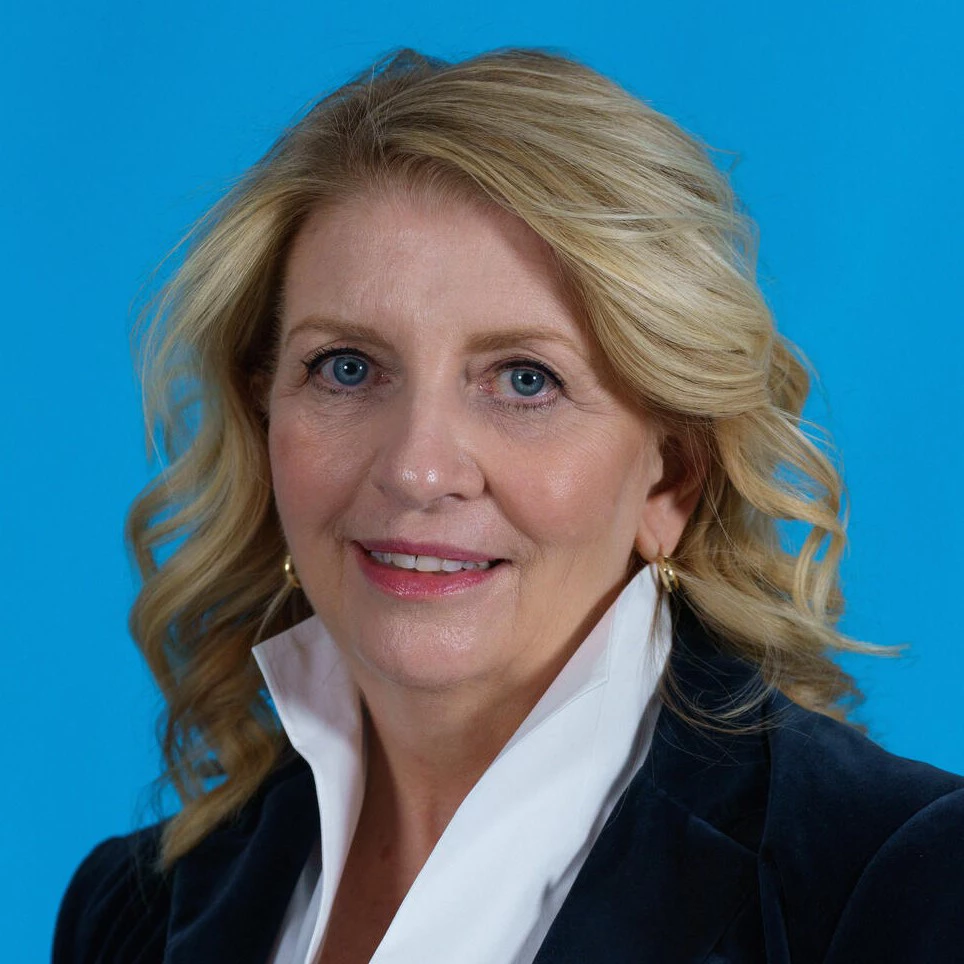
<point>493,883</point>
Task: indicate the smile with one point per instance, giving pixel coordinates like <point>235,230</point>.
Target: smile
<point>431,573</point>
<point>422,563</point>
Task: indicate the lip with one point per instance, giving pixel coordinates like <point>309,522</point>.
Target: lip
<point>412,585</point>
<point>438,549</point>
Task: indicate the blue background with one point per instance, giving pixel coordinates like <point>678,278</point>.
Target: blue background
<point>122,122</point>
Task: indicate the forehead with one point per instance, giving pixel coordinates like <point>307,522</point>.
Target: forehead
<point>394,256</point>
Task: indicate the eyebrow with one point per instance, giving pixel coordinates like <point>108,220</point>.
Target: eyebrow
<point>501,338</point>
<point>338,328</point>
<point>494,340</point>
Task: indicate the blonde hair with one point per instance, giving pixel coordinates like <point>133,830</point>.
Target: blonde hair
<point>660,262</point>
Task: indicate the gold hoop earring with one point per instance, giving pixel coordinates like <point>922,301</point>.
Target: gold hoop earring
<point>290,575</point>
<point>667,574</point>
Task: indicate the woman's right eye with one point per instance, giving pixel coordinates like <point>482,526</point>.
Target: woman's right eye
<point>339,369</point>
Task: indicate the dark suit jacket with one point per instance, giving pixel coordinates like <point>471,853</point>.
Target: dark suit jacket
<point>793,840</point>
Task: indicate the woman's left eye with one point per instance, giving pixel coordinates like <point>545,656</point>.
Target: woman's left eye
<point>525,381</point>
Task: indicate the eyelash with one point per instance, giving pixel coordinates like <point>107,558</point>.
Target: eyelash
<point>314,362</point>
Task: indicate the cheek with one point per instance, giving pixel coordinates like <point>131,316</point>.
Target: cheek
<point>578,489</point>
<point>312,470</point>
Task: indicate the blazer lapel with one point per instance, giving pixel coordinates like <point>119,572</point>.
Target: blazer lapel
<point>677,860</point>
<point>229,894</point>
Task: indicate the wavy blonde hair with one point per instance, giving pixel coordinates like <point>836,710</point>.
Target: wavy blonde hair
<point>659,261</point>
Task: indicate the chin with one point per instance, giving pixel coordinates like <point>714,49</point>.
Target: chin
<point>426,657</point>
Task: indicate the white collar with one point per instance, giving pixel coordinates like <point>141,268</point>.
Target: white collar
<point>492,885</point>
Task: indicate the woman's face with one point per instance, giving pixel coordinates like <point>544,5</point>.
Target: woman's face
<point>438,405</point>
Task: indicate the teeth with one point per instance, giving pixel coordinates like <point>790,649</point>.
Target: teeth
<point>403,560</point>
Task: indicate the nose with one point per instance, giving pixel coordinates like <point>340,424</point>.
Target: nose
<point>425,455</point>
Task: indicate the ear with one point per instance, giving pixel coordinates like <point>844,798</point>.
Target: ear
<point>671,499</point>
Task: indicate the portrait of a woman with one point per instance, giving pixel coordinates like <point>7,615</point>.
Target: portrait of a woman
<point>465,587</point>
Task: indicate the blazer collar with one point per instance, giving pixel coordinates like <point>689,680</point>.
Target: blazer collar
<point>677,860</point>
<point>670,870</point>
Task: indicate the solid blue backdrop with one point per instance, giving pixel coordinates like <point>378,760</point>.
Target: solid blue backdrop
<point>123,122</point>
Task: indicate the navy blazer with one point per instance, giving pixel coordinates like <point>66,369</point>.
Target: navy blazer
<point>794,839</point>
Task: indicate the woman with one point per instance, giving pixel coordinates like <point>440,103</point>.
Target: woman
<point>491,437</point>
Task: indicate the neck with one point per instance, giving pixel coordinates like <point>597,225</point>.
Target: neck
<point>427,748</point>
<point>426,752</point>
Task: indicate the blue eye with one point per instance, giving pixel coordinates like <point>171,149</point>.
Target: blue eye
<point>527,381</point>
<point>348,370</point>
<point>526,385</point>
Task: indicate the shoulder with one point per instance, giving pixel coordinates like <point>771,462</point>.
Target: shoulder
<point>868,844</point>
<point>119,908</point>
<point>815,783</point>
<point>855,848</point>
<point>115,907</point>
<point>819,765</point>
<point>916,875</point>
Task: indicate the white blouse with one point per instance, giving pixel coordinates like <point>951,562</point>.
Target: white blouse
<point>501,870</point>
